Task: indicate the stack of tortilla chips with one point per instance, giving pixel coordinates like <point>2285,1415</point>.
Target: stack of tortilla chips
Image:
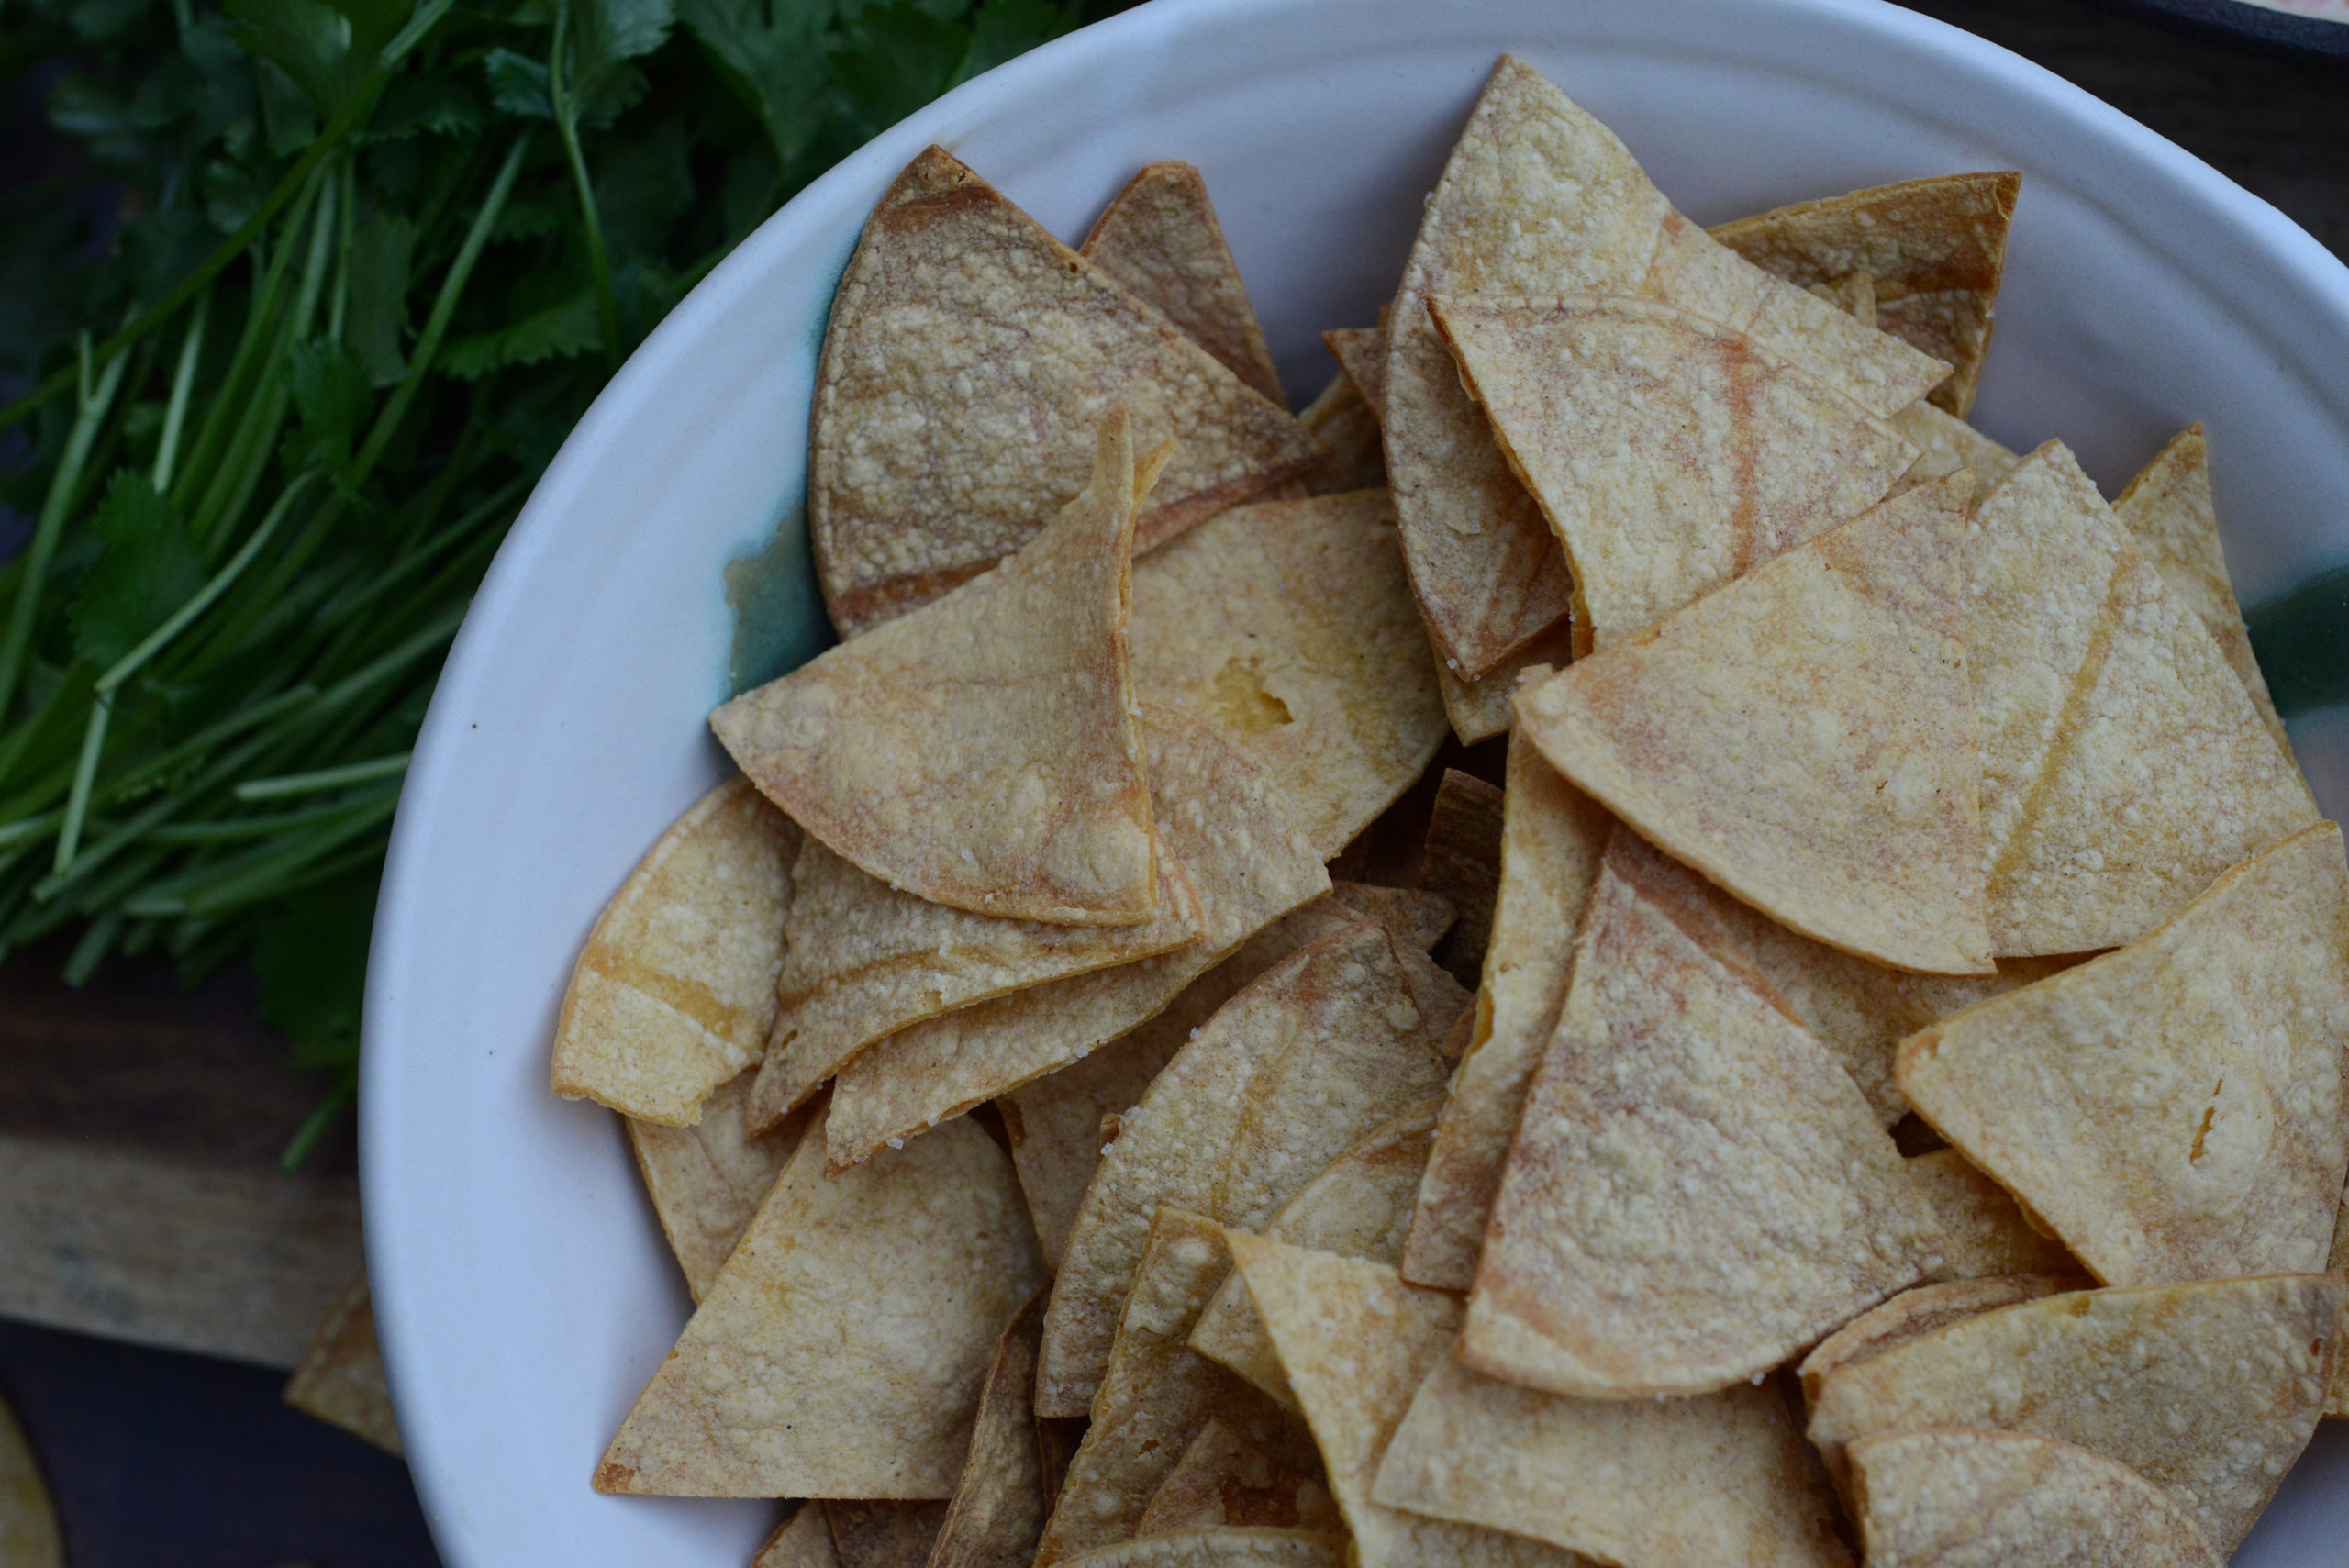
<point>1899,1110</point>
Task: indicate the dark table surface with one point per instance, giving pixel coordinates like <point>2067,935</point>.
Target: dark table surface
<point>164,1461</point>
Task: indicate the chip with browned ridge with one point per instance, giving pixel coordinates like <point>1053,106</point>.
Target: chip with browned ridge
<point>1917,1312</point>
<point>1159,241</point>
<point>998,1506</point>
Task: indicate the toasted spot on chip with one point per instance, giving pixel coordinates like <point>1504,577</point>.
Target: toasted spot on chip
<point>1945,444</point>
<point>1336,1040</point>
<point>1696,1191</point>
<point>1159,241</point>
<point>675,991</point>
<point>802,1540</point>
<point>1975,1499</point>
<point>1289,624</point>
<point>1983,1230</point>
<point>2173,1110</point>
<point>1222,1546</point>
<point>1348,429</point>
<point>1224,1479</point>
<point>1668,452</point>
<point>969,359</point>
<point>706,1181</point>
<point>2208,1390</point>
<point>1227,825</point>
<point>1804,738</point>
<point>841,1350</point>
<point>1485,706</point>
<point>998,1506</point>
<point>882,1535</point>
<point>1917,1312</point>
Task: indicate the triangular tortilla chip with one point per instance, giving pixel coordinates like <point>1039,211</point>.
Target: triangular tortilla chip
<point>1930,250</point>
<point>706,1181</point>
<point>998,1506</point>
<point>1361,353</point>
<point>1159,241</point>
<point>1696,1189</point>
<point>1156,1395</point>
<point>1946,443</point>
<point>1228,826</point>
<point>1289,624</point>
<point>1486,706</point>
<point>340,1381</point>
<point>1617,1479</point>
<point>2172,1110</point>
<point>1359,1207</point>
<point>1222,1546</point>
<point>1915,1313</point>
<point>1539,198</point>
<point>1224,1479</point>
<point>1973,1499</point>
<point>1054,1121</point>
<point>862,959</point>
<point>983,752</point>
<point>1320,1050</point>
<point>1462,860</point>
<point>1984,1233</point>
<point>2171,519</point>
<point>2123,765</point>
<point>1348,429</point>
<point>802,1540</point>
<point>1717,453</point>
<point>1357,1342</point>
<point>1551,837</point>
<point>1803,737</point>
<point>882,1535</point>
<point>841,1350</point>
<point>675,989</point>
<point>2208,1390</point>
<point>969,359</point>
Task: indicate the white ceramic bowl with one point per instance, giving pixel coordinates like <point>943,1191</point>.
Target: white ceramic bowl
<point>522,1286</point>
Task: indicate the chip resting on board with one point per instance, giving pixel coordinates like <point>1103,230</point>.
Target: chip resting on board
<point>1159,241</point>
<point>1224,1479</point>
<point>340,1381</point>
<point>998,1506</point>
<point>1984,1232</point>
<point>706,1181</point>
<point>1914,1312</point>
<point>968,360</point>
<point>675,989</point>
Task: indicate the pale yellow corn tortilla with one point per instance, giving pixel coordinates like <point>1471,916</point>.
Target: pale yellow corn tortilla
<point>676,990</point>
<point>1669,453</point>
<point>1696,1189</point>
<point>1055,1122</point>
<point>1918,1312</point>
<point>1222,1546</point>
<point>1361,353</point>
<point>1539,198</point>
<point>1720,1478</point>
<point>706,1181</point>
<point>1227,825</point>
<point>2123,765</point>
<point>1159,241</point>
<point>882,1535</point>
<point>862,959</point>
<point>1983,1230</point>
<point>983,752</point>
<point>2171,518</point>
<point>1347,431</point>
<point>841,1350</point>
<point>998,1506</point>
<point>1359,1207</point>
<point>1945,444</point>
<point>969,359</point>
<point>1804,738</point>
<point>1462,860</point>
<point>2173,1110</point>
<point>1290,627</point>
<point>1320,1050</point>
<point>2209,1390</point>
<point>1932,252</point>
<point>1156,1395</point>
<point>802,1540</point>
<point>1356,1341</point>
<point>1224,1479</point>
<point>28,1532</point>
<point>1975,1499</point>
<point>1552,836</point>
<point>340,1381</point>
<point>1485,706</point>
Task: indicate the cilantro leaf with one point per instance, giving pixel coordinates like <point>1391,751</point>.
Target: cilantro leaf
<point>332,392</point>
<point>1005,29</point>
<point>559,332</point>
<point>605,35</point>
<point>149,568</point>
<point>770,53</point>
<point>311,964</point>
<point>518,84</point>
<point>896,58</point>
<point>327,47</point>
<point>381,253</point>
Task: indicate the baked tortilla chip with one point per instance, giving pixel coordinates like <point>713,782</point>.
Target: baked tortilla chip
<point>2171,519</point>
<point>1228,826</point>
<point>1803,737</point>
<point>1984,1232</point>
<point>1486,706</point>
<point>1915,1313</point>
<point>862,959</point>
<point>1055,1122</point>
<point>1359,1207</point>
<point>1361,353</point>
<point>1539,198</point>
<point>1357,1342</point>
<point>1718,454</point>
<point>1222,1546</point>
<point>882,1535</point>
<point>998,1506</point>
<point>1462,860</point>
<point>1696,1190</point>
<point>340,1381</point>
<point>1347,431</point>
<point>1157,1395</point>
<point>1320,1050</point>
<point>1159,241</point>
<point>1620,1480</point>
<point>675,989</point>
<point>1932,252</point>
<point>841,1350</point>
<point>1224,1479</point>
<point>706,1181</point>
<point>1289,625</point>
<point>802,1540</point>
<point>1552,836</point>
<point>984,752</point>
<point>2173,1110</point>
<point>1946,443</point>
<point>27,1520</point>
<point>2208,1390</point>
<point>1972,1499</point>
<point>969,359</point>
<point>2123,765</point>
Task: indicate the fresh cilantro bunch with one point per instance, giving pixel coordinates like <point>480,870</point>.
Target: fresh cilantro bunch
<point>311,297</point>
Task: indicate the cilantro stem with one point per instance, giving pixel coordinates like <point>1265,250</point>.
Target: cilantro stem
<point>323,779</point>
<point>182,383</point>
<point>314,1129</point>
<point>567,124</point>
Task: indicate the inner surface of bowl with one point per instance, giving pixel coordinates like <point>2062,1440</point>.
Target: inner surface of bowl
<point>524,1290</point>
